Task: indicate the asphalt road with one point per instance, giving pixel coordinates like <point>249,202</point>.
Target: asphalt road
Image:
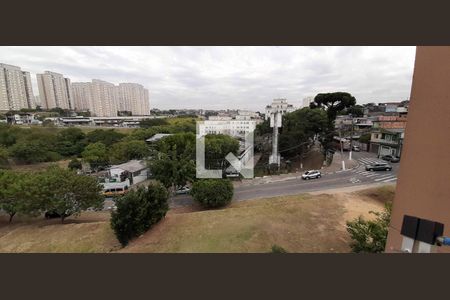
<point>355,177</point>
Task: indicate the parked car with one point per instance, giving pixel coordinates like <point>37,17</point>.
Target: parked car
<point>390,158</point>
<point>379,167</point>
<point>183,190</point>
<point>311,174</point>
<point>51,214</point>
<point>356,148</point>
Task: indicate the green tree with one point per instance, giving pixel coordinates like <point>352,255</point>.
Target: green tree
<point>17,193</point>
<point>217,146</point>
<point>66,193</point>
<point>278,249</point>
<point>172,170</point>
<point>300,127</point>
<point>153,122</point>
<point>75,164</point>
<point>175,163</point>
<point>263,128</point>
<point>8,135</point>
<point>107,137</point>
<point>138,210</point>
<point>96,155</point>
<point>4,163</point>
<point>369,236</point>
<point>355,111</point>
<point>212,193</point>
<point>127,150</point>
<point>70,141</point>
<point>33,151</point>
<point>332,103</point>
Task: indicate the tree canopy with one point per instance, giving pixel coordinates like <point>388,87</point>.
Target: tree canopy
<point>96,155</point>
<point>212,193</point>
<point>127,150</point>
<point>138,210</point>
<point>107,137</point>
<point>333,103</point>
<point>300,127</point>
<point>66,193</point>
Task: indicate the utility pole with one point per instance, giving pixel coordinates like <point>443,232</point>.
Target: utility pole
<point>351,140</point>
<point>342,148</point>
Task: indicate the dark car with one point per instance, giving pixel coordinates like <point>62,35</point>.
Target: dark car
<point>379,167</point>
<point>51,214</point>
<point>390,158</point>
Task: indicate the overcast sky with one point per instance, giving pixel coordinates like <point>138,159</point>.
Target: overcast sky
<point>230,77</point>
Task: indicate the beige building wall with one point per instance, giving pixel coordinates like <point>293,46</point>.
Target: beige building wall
<point>13,88</point>
<point>135,98</point>
<point>82,96</point>
<point>31,101</point>
<point>423,186</point>
<point>104,97</point>
<point>54,90</point>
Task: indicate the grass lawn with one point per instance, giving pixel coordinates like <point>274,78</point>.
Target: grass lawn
<point>88,233</point>
<point>301,223</point>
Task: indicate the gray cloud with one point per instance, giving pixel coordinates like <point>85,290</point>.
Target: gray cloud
<point>230,77</point>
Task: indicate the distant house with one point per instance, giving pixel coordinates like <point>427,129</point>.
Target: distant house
<point>134,170</point>
<point>22,118</point>
<point>390,122</point>
<point>387,141</point>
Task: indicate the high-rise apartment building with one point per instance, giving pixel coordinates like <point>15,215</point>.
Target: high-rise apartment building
<point>54,90</point>
<point>16,91</point>
<point>134,97</point>
<point>82,96</point>
<point>104,99</point>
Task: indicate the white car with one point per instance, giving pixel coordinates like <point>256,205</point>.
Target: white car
<point>311,174</point>
<point>183,190</point>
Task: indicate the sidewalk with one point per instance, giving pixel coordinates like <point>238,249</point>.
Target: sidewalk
<point>334,167</point>
<point>336,164</point>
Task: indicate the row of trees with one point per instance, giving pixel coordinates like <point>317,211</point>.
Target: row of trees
<point>57,190</point>
<point>44,144</point>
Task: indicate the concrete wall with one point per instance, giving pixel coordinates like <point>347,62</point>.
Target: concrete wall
<point>423,187</point>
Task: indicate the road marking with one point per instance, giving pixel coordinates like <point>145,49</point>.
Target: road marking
<point>366,173</point>
<point>385,177</point>
<point>395,178</point>
<point>372,175</point>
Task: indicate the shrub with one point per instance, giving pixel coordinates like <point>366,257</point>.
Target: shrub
<point>75,164</point>
<point>213,193</point>
<point>33,152</point>
<point>370,236</point>
<point>278,249</point>
<point>138,210</point>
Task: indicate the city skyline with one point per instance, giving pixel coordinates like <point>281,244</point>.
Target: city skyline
<point>230,77</point>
